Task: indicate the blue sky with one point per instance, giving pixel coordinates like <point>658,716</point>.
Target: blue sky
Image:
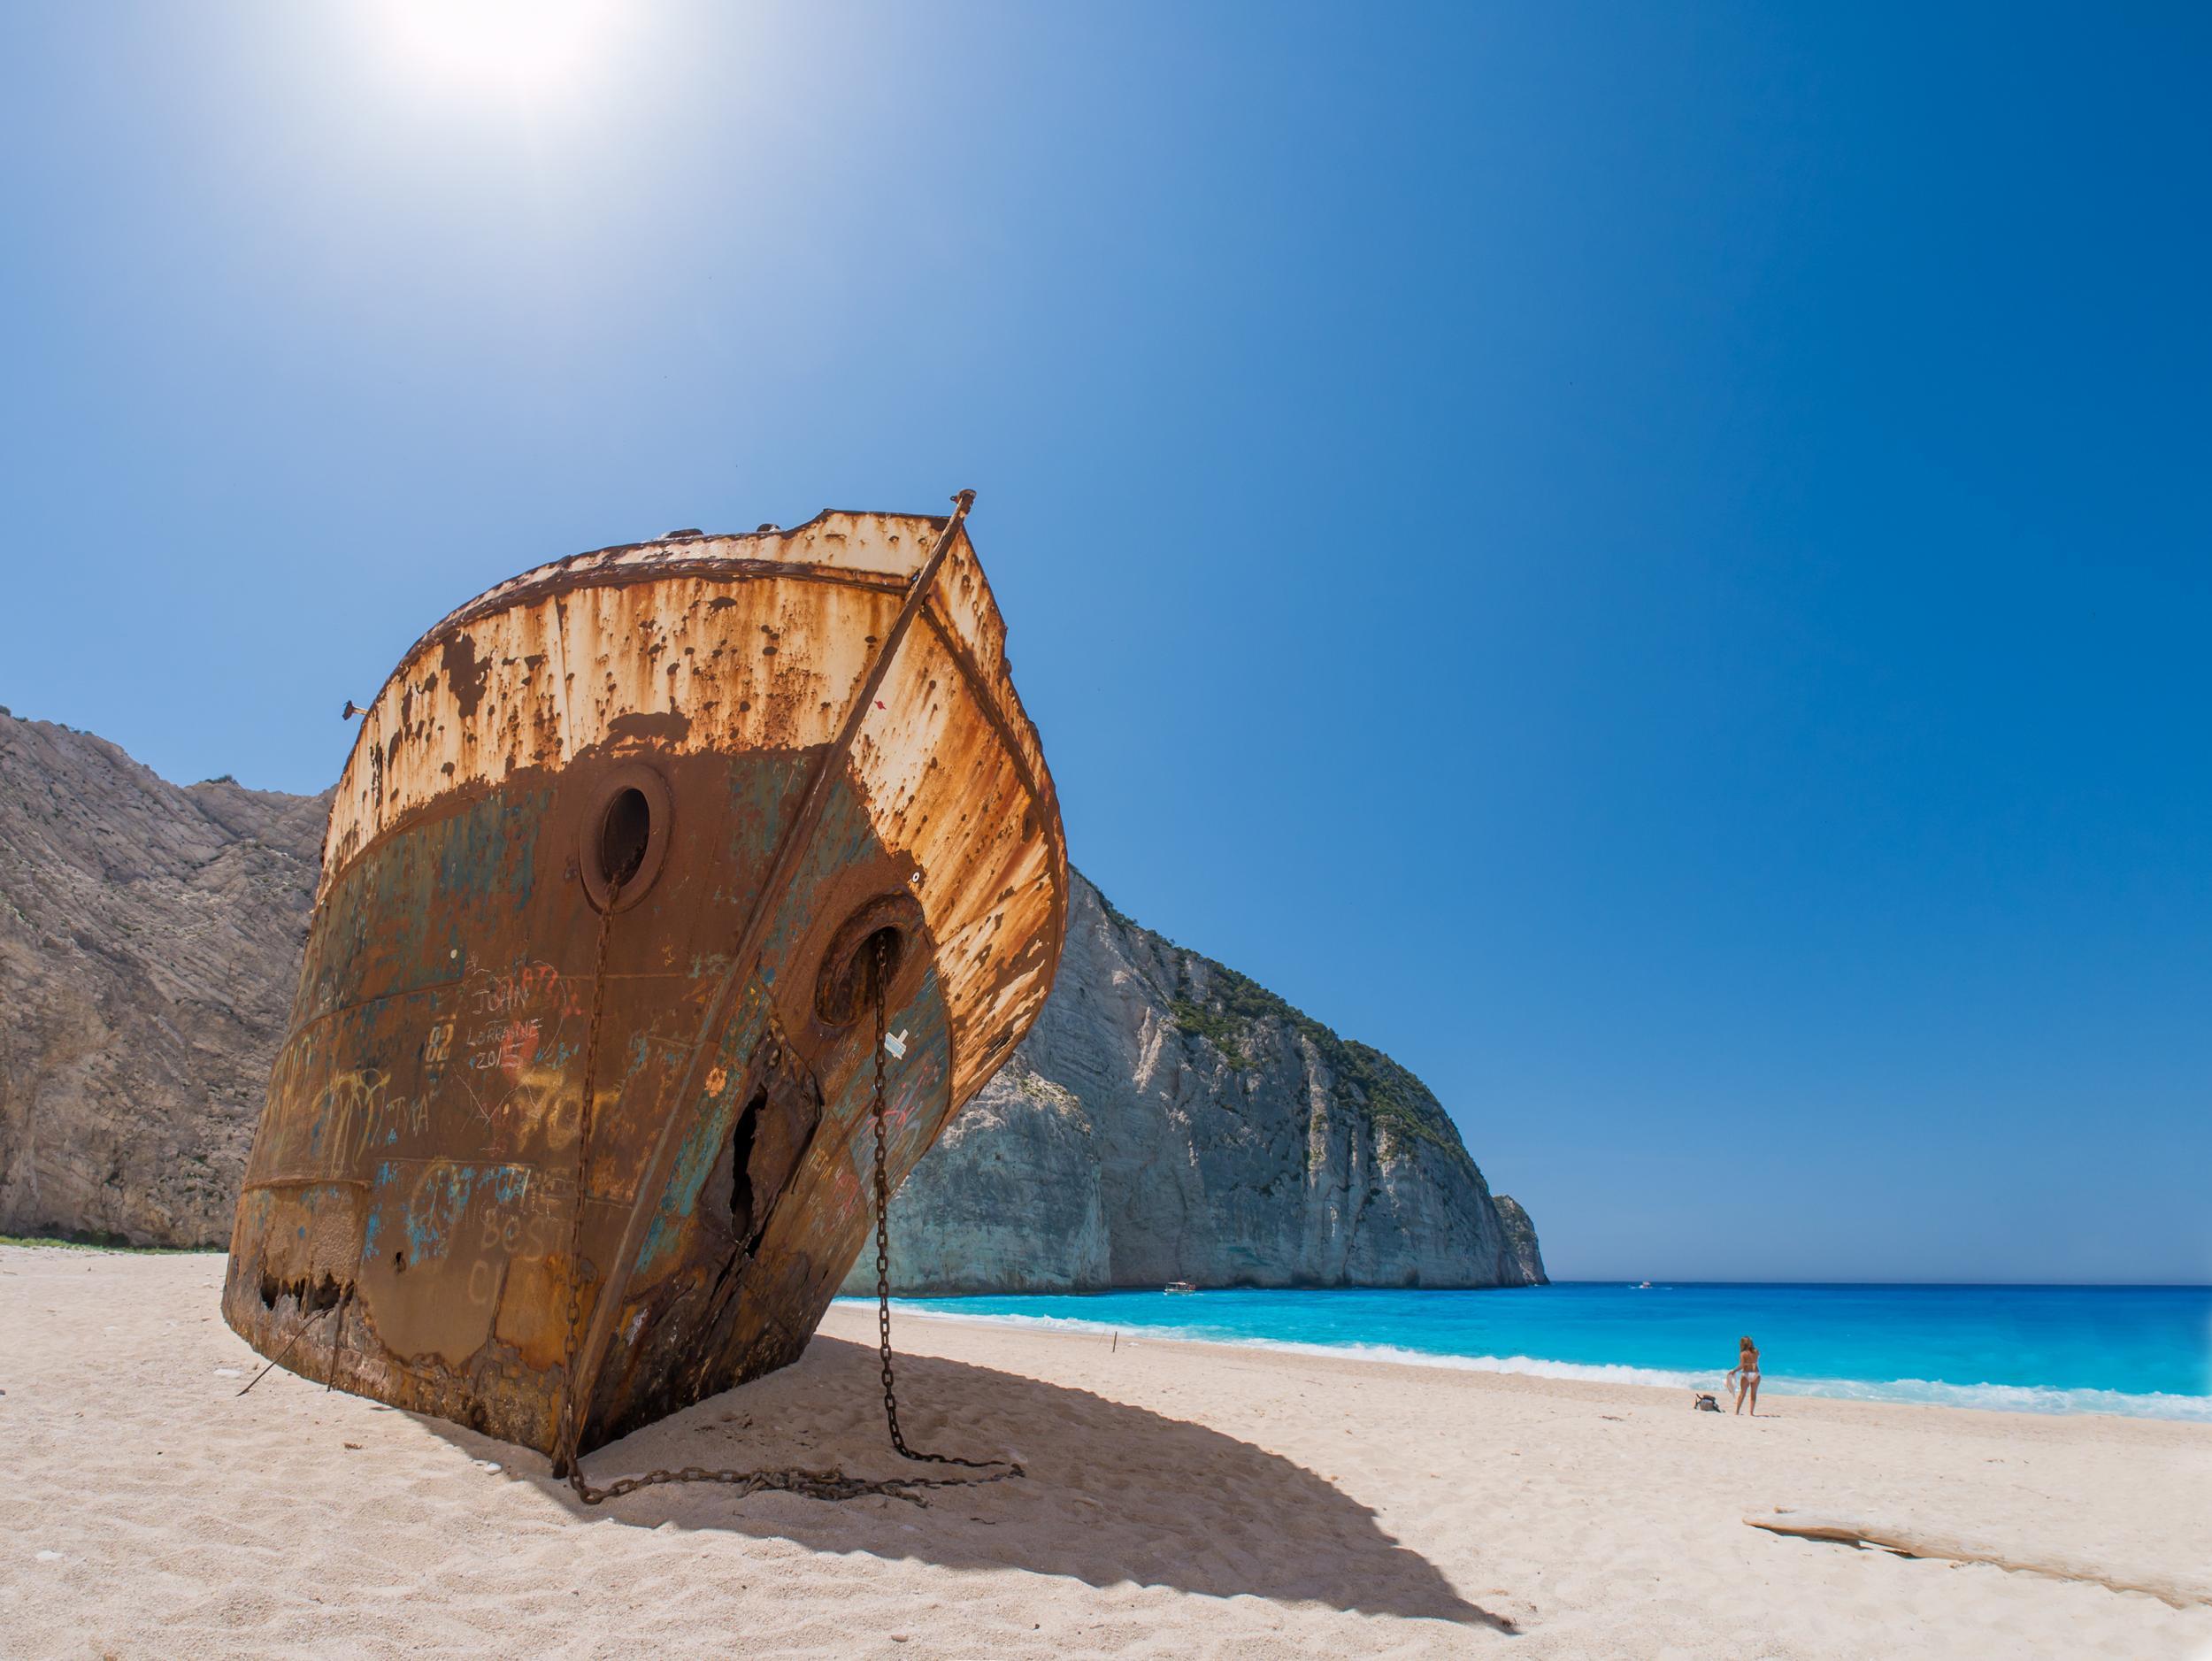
<point>1650,561</point>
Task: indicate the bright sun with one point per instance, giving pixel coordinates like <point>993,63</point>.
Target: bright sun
<point>524,45</point>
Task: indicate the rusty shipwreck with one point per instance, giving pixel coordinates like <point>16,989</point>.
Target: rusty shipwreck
<point>571,1126</point>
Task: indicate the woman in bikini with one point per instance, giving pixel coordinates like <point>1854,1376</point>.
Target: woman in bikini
<point>1745,1375</point>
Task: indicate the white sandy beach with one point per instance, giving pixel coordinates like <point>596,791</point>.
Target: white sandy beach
<point>1182,1500</point>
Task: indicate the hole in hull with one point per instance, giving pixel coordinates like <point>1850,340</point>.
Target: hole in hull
<point>768,1142</point>
<point>623,836</point>
<point>847,990</point>
<point>624,831</point>
<point>741,1169</point>
<point>309,1297</point>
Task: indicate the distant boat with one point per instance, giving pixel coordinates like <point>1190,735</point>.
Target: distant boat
<point>668,889</point>
<point>1643,1286</point>
<point>1178,1285</point>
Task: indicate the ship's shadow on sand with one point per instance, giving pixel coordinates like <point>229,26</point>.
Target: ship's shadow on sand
<point>1113,1493</point>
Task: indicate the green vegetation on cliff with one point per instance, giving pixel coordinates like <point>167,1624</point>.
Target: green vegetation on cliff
<point>1404,1109</point>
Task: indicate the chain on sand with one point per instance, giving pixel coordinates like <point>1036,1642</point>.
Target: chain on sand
<point>823,1485</point>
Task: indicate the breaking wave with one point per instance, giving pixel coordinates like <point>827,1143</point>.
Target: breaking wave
<point>2004,1398</point>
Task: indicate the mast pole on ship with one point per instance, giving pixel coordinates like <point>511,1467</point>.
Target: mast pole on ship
<point>583,1371</point>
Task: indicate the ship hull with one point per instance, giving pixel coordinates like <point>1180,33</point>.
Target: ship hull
<point>528,1070</point>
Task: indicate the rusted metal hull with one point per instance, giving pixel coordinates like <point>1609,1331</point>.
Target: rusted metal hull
<point>568,1031</point>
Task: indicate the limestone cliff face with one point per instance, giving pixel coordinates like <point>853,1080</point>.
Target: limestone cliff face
<point>1520,1239</point>
<point>149,939</point>
<point>1168,1119</point>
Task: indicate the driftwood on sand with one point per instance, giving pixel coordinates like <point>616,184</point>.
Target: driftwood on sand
<point>1911,1542</point>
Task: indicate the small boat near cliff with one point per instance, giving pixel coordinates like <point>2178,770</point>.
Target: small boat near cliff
<point>658,877</point>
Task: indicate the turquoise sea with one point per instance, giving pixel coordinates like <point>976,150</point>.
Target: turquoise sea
<point>2141,1351</point>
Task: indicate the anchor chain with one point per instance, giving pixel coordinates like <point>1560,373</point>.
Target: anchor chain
<point>881,978</point>
<point>823,1485</point>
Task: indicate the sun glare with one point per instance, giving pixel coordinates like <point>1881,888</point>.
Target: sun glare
<point>525,46</point>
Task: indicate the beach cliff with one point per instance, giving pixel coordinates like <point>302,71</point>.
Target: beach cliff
<point>1167,1119</point>
<point>149,940</point>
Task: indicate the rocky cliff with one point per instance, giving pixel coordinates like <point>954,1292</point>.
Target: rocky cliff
<point>149,939</point>
<point>1168,1119</point>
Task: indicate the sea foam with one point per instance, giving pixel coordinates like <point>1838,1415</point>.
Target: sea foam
<point>2006,1398</point>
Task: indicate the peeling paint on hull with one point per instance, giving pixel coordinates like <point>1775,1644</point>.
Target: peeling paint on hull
<point>430,1187</point>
